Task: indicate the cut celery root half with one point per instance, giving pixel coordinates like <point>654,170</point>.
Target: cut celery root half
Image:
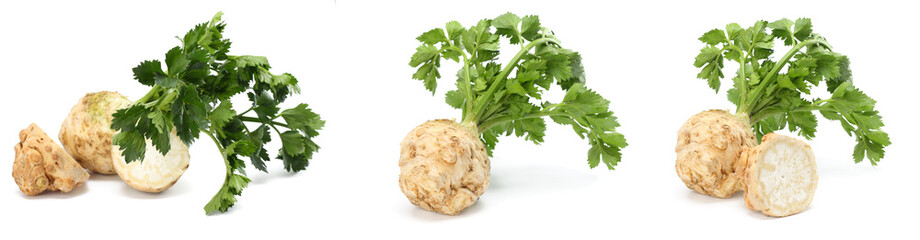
<point>156,172</point>
<point>780,176</point>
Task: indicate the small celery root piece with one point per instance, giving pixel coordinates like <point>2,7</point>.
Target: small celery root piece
<point>708,147</point>
<point>780,176</point>
<point>157,172</point>
<point>444,166</point>
<point>41,165</point>
<point>86,133</point>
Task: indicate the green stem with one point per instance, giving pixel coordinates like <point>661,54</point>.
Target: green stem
<point>490,111</point>
<point>499,120</point>
<point>765,114</point>
<point>257,120</point>
<point>744,86</point>
<point>247,111</point>
<point>246,129</point>
<point>223,153</point>
<point>153,91</point>
<point>745,118</point>
<point>170,96</point>
<point>276,129</point>
<point>500,79</point>
<point>229,171</point>
<point>761,87</point>
<point>469,87</point>
<point>761,105</point>
<point>773,112</point>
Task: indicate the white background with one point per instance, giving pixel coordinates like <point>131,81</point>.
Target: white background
<point>351,58</point>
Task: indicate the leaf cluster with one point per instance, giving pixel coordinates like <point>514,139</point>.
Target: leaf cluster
<point>191,96</point>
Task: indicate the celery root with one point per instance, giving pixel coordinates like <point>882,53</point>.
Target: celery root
<point>443,166</point>
<point>158,171</point>
<point>780,176</point>
<point>86,133</point>
<point>41,165</point>
<point>708,146</point>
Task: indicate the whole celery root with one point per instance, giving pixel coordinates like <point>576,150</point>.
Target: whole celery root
<point>708,146</point>
<point>444,165</point>
<point>86,134</point>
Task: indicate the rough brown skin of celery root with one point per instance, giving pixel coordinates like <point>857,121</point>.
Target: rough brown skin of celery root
<point>754,196</point>
<point>86,134</point>
<point>41,165</point>
<point>444,166</point>
<point>709,146</point>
